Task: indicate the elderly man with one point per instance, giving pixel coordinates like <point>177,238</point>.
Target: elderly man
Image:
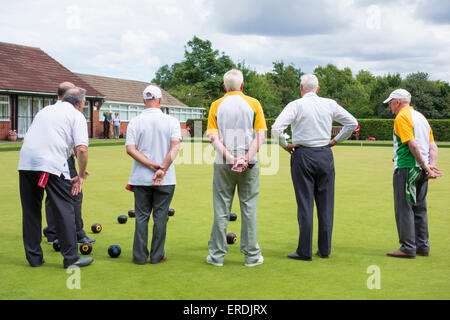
<point>78,199</point>
<point>153,141</point>
<point>236,128</point>
<point>55,131</point>
<point>312,165</point>
<point>415,157</point>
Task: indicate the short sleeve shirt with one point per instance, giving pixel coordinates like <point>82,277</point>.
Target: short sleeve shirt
<point>151,132</point>
<point>410,124</point>
<point>49,141</point>
<point>234,118</point>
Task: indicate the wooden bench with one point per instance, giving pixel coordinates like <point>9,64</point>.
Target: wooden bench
<point>335,130</point>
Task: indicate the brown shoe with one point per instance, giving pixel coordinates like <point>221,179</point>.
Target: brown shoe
<point>400,254</point>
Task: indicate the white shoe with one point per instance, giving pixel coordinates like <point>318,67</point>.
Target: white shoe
<point>257,263</point>
<point>210,261</point>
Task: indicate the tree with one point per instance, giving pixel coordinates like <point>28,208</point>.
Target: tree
<point>262,88</point>
<point>202,69</point>
<point>332,81</point>
<point>286,80</point>
<point>383,86</point>
<point>427,96</point>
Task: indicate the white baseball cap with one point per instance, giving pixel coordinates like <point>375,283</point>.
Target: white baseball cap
<point>152,92</point>
<point>398,94</point>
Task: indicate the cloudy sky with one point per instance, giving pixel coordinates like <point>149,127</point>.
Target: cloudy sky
<point>131,39</point>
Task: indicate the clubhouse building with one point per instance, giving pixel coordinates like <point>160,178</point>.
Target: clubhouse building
<point>29,79</point>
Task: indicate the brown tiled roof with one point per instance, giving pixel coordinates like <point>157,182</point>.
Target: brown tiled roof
<point>30,69</point>
<point>122,90</point>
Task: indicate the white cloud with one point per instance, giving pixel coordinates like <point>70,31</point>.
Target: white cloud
<point>133,39</point>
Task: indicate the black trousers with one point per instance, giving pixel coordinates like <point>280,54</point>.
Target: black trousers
<point>105,129</point>
<point>78,201</point>
<point>312,172</point>
<point>58,192</point>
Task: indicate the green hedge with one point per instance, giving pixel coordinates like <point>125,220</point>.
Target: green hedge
<point>381,129</point>
<point>199,131</point>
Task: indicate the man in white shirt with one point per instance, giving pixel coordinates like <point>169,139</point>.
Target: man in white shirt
<point>153,141</point>
<point>50,232</point>
<point>55,131</point>
<point>312,164</point>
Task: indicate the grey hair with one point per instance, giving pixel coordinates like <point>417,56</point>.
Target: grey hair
<point>75,96</point>
<point>309,82</point>
<point>405,100</point>
<point>233,80</point>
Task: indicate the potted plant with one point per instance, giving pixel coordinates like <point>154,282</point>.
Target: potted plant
<point>12,135</point>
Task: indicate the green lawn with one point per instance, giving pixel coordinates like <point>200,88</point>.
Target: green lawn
<point>364,231</point>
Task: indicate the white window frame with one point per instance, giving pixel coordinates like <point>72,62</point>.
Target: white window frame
<point>5,117</point>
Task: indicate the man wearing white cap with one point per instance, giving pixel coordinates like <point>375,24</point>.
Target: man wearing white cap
<point>415,157</point>
<point>153,141</point>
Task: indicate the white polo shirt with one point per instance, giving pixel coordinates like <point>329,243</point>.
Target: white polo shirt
<point>151,132</point>
<point>49,141</point>
<point>311,119</point>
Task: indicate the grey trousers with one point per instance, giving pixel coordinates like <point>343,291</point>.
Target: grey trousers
<point>411,219</point>
<point>148,199</point>
<point>225,182</point>
<point>312,172</point>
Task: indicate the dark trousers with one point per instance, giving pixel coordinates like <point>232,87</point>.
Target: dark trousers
<point>312,172</point>
<point>58,192</point>
<point>78,201</point>
<point>411,219</point>
<point>106,129</point>
<point>148,199</point>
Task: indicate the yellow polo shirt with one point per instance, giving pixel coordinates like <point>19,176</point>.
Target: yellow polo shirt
<point>410,124</point>
<point>234,118</point>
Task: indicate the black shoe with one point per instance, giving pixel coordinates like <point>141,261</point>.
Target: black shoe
<point>297,256</point>
<point>163,259</point>
<point>422,253</point>
<point>86,240</point>
<point>135,261</point>
<point>323,256</point>
<point>38,265</point>
<point>82,262</point>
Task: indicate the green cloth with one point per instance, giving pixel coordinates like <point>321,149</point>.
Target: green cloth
<point>411,179</point>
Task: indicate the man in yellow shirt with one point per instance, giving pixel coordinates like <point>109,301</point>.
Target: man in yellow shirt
<point>415,157</point>
<point>236,128</point>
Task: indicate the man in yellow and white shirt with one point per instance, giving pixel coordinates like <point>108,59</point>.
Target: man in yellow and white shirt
<point>236,128</point>
<point>415,157</point>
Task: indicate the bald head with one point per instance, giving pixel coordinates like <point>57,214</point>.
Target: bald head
<point>63,87</point>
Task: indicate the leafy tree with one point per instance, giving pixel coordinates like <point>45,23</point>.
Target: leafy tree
<point>286,80</point>
<point>197,81</point>
<point>202,69</point>
<point>332,81</point>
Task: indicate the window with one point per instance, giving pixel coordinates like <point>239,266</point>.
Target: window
<point>183,114</point>
<point>86,111</point>
<point>4,108</point>
<point>126,112</point>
